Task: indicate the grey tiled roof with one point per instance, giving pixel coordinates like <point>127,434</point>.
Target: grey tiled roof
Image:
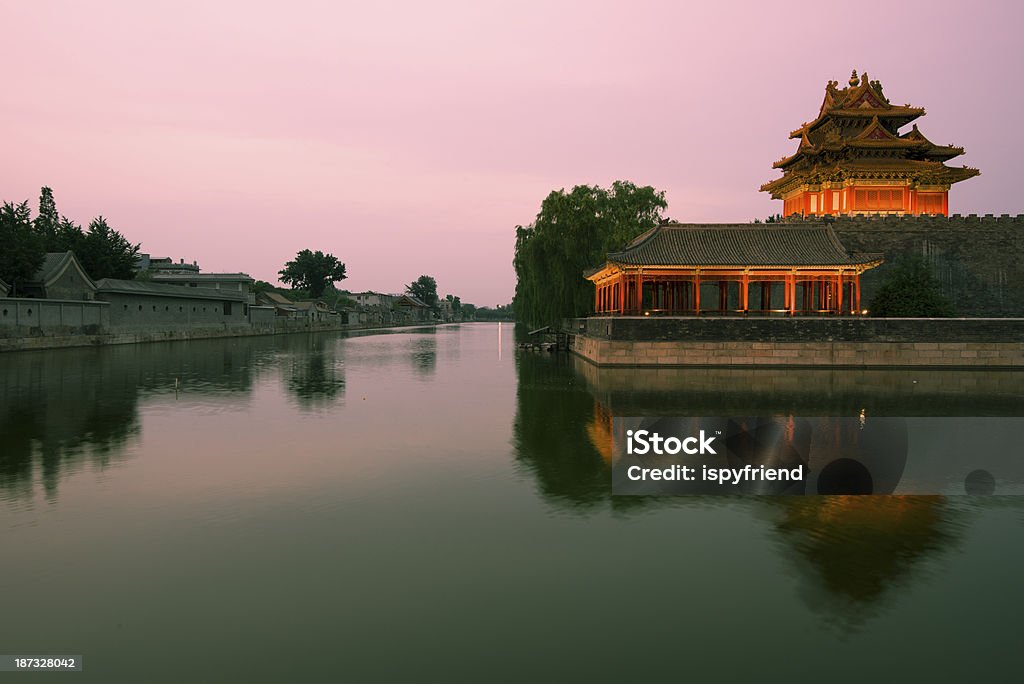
<point>54,264</point>
<point>51,262</point>
<point>141,287</point>
<point>742,244</point>
<point>415,301</point>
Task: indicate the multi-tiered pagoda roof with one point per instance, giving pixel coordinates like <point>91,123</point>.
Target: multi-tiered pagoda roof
<point>855,141</point>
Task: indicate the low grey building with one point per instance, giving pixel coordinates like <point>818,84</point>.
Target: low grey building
<point>282,305</point>
<point>140,305</point>
<point>316,311</point>
<point>412,310</point>
<point>371,299</point>
<point>232,282</point>
<point>164,265</point>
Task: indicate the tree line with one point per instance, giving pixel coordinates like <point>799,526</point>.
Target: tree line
<point>312,275</point>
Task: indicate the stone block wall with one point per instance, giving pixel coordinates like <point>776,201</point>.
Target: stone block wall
<point>847,342</point>
<point>144,312</point>
<point>34,317</point>
<point>978,260</point>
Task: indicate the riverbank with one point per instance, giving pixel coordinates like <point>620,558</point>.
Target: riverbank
<point>853,342</point>
<point>40,342</point>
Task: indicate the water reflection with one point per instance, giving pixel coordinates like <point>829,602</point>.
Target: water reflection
<point>64,410</point>
<point>316,376</point>
<point>852,554</point>
<point>803,392</point>
<point>423,348</point>
<point>60,413</point>
<point>556,434</point>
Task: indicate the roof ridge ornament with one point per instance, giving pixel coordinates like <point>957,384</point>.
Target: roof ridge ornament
<point>853,78</point>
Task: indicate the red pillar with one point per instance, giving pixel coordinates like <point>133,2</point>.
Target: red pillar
<point>696,294</point>
<point>839,292</point>
<point>638,294</point>
<point>791,286</point>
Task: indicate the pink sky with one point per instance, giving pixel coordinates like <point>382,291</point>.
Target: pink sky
<point>410,138</point>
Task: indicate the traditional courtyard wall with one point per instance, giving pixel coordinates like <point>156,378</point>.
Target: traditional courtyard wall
<point>144,312</point>
<point>52,324</point>
<point>33,317</point>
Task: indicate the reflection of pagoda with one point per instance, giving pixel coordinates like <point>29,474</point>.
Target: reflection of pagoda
<point>853,160</point>
<point>853,552</point>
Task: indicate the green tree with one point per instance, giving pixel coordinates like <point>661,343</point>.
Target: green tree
<point>424,289</point>
<point>572,233</point>
<point>102,251</point>
<point>261,286</point>
<point>313,272</point>
<point>498,313</point>
<point>47,222</point>
<point>23,249</point>
<point>911,291</point>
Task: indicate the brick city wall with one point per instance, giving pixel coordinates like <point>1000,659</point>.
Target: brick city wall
<point>978,260</point>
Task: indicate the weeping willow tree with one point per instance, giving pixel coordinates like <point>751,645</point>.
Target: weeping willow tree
<point>573,232</point>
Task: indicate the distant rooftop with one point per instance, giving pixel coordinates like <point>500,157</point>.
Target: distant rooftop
<point>165,265</point>
<point>198,277</point>
<point>141,287</point>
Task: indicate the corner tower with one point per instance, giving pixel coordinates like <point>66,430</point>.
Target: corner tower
<point>852,159</point>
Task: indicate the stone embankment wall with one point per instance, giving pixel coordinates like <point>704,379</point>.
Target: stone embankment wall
<point>138,337</point>
<point>50,323</point>
<point>853,341</point>
<point>978,260</point>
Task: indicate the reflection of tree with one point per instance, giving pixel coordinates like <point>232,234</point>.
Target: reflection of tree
<point>59,414</point>
<point>853,551</point>
<point>551,436</point>
<point>316,377</point>
<point>63,410</point>
<point>424,354</point>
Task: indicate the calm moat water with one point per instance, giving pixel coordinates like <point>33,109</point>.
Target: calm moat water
<point>434,505</point>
